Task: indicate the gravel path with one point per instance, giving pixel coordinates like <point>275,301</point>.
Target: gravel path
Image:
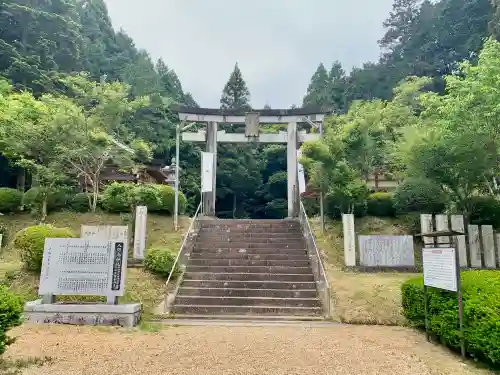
<point>234,350</point>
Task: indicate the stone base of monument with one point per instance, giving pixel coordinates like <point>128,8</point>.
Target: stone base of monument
<point>126,315</point>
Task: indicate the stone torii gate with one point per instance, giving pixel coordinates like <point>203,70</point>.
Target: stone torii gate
<point>252,120</point>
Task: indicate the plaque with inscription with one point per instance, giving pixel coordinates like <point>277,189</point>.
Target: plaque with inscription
<point>105,232</point>
<point>79,266</point>
<point>440,270</point>
<point>386,251</point>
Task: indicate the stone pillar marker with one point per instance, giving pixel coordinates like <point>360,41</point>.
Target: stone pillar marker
<point>141,217</point>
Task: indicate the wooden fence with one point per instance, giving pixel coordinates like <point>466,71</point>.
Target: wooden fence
<point>479,247</point>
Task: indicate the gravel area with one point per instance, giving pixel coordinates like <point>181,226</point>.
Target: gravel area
<point>234,350</point>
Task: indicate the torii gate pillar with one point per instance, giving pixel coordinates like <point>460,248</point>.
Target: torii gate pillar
<point>291,165</point>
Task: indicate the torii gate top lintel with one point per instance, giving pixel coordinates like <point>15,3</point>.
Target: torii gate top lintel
<point>265,116</point>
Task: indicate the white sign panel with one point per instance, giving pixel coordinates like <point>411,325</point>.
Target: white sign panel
<point>440,269</point>
<point>105,232</point>
<point>207,171</point>
<point>79,266</point>
<point>386,251</point>
<point>141,218</point>
<point>301,174</point>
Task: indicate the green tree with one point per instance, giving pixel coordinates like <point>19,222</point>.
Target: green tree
<point>235,94</point>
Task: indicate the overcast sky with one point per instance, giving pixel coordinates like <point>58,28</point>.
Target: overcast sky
<point>278,44</point>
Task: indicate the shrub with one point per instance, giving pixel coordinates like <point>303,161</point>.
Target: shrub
<point>337,203</point>
<point>167,200</point>
<point>380,204</point>
<point>484,211</point>
<point>481,302</point>
<point>160,262</point>
<point>11,309</point>
<point>115,197</point>
<point>10,200</point>
<point>30,242</point>
<point>144,195</point>
<point>80,202</point>
<point>419,195</point>
<point>56,199</point>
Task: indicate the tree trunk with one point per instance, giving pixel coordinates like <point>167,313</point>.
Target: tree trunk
<point>44,210</point>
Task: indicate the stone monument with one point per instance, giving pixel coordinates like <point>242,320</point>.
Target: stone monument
<point>141,219</point>
<point>83,267</point>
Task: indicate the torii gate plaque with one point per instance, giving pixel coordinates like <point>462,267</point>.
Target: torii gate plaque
<point>252,120</point>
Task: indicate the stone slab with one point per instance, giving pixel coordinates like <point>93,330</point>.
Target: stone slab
<point>141,218</point>
<point>386,251</point>
<point>79,266</point>
<point>126,315</point>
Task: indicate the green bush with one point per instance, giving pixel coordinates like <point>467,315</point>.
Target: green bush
<point>30,242</point>
<point>10,200</point>
<point>33,199</point>
<point>484,211</point>
<point>481,302</point>
<point>145,195</point>
<point>380,204</point>
<point>160,262</point>
<point>80,202</point>
<point>11,309</point>
<point>115,197</point>
<point>167,200</point>
<point>419,195</point>
<point>337,204</point>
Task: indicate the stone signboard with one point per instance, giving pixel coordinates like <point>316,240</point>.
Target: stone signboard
<point>105,232</point>
<point>386,251</point>
<point>141,218</point>
<point>79,266</point>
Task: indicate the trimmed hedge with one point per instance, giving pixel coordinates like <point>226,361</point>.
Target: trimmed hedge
<point>115,197</point>
<point>481,301</point>
<point>419,195</point>
<point>10,200</point>
<point>11,309</point>
<point>167,200</point>
<point>380,204</point>
<point>30,242</point>
<point>80,202</point>
<point>33,200</point>
<point>160,262</point>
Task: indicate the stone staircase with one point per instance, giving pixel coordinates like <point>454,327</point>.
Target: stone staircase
<point>248,269</point>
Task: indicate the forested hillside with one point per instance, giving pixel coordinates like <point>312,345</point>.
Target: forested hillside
<point>46,45</point>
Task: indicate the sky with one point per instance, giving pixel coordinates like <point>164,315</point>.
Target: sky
<point>277,44</point>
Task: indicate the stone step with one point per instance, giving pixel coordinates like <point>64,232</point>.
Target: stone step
<point>245,310</point>
<point>298,245</point>
<point>232,276</point>
<point>238,251</point>
<point>254,240</point>
<point>249,284</point>
<point>250,269</point>
<point>298,256</point>
<point>224,262</point>
<point>244,292</point>
<point>231,234</point>
<point>251,227</point>
<point>246,301</point>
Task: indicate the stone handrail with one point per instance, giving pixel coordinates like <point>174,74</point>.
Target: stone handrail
<point>318,269</point>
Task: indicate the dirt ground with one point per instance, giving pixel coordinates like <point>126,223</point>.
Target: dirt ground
<point>335,349</point>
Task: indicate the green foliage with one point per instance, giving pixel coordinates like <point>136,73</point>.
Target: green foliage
<point>380,204</point>
<point>352,201</point>
<point>481,301</point>
<point>80,202</point>
<point>419,195</point>
<point>144,195</point>
<point>30,242</point>
<point>484,211</point>
<point>10,200</point>
<point>167,200</point>
<point>160,262</point>
<point>115,197</point>
<point>11,309</point>
<point>34,197</point>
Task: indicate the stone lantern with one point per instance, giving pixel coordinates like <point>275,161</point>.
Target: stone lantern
<point>169,171</point>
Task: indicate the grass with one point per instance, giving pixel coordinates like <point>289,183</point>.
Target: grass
<point>361,298</point>
<point>141,286</point>
<point>15,367</point>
